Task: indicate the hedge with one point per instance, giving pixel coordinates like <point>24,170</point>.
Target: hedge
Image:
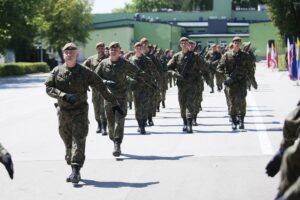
<point>21,68</point>
<point>282,65</point>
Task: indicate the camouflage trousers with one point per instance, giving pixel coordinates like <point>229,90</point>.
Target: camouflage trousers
<point>186,96</point>
<point>153,98</point>
<point>73,128</point>
<point>129,95</point>
<point>115,121</point>
<point>289,186</point>
<point>141,102</point>
<point>236,95</point>
<point>198,96</point>
<point>98,102</point>
<point>212,75</point>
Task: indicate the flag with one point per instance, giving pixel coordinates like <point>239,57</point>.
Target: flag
<point>298,57</point>
<point>293,72</point>
<point>273,57</point>
<point>268,55</point>
<point>289,54</point>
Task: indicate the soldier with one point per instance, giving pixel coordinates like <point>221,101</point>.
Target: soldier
<point>287,158</point>
<point>186,67</point>
<point>213,57</point>
<point>97,99</point>
<point>114,71</point>
<point>235,65</point>
<point>142,90</point>
<point>68,83</point>
<point>251,77</point>
<point>219,77</point>
<point>5,159</point>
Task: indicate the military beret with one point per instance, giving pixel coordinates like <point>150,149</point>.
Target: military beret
<point>192,42</point>
<point>144,40</point>
<point>137,44</point>
<point>100,44</point>
<point>236,38</point>
<point>114,45</point>
<point>70,46</point>
<point>183,39</point>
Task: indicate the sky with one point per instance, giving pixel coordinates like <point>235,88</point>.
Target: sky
<point>106,6</point>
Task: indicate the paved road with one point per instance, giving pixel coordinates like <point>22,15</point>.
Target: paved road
<point>214,163</point>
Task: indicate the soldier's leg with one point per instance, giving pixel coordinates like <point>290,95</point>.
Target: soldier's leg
<point>190,107</point>
<point>138,108</point>
<point>212,84</point>
<point>65,132</point>
<point>233,100</point>
<point>182,105</point>
<point>119,129</point>
<point>103,116</point>
<point>110,119</point>
<point>96,104</point>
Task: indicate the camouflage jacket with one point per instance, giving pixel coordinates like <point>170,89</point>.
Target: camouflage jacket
<point>117,72</point>
<point>93,61</point>
<point>189,65</point>
<point>235,66</point>
<point>63,80</point>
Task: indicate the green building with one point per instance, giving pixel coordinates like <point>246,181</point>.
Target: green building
<point>218,25</point>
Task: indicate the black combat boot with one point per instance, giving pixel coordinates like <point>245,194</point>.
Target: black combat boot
<point>139,124</point>
<point>184,128</point>
<point>195,120</point>
<point>150,121</point>
<point>163,104</point>
<point>104,126</point>
<point>117,148</point>
<point>212,90</point>
<point>241,122</point>
<point>99,128</point>
<point>130,105</point>
<point>143,124</point>
<point>234,122</point>
<point>75,175</point>
<point>157,109</point>
<point>189,125</point>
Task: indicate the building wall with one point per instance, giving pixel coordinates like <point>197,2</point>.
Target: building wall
<point>260,33</point>
<point>123,35</point>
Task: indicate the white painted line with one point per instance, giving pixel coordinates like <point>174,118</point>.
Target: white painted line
<point>263,137</point>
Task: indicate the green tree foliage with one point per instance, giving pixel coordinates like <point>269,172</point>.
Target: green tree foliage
<point>285,15</point>
<point>62,21</point>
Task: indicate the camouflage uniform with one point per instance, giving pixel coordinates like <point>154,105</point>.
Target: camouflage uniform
<point>235,66</point>
<point>117,71</point>
<point>73,118</point>
<point>213,58</point>
<point>143,90</point>
<point>97,99</point>
<point>187,67</point>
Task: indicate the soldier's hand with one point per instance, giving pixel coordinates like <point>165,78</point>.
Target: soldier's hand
<point>110,83</point>
<point>273,166</point>
<point>118,109</point>
<point>228,82</point>
<point>70,98</point>
<point>7,162</point>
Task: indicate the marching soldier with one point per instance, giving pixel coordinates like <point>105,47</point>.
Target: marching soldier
<point>68,83</point>
<point>235,65</point>
<point>186,67</point>
<point>98,101</point>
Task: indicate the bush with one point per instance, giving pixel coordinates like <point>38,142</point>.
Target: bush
<point>13,69</point>
<point>282,65</point>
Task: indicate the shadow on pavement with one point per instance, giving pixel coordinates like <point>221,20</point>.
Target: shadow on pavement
<point>26,81</point>
<point>87,182</point>
<point>151,157</point>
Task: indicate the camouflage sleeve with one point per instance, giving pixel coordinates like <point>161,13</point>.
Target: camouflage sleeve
<point>172,65</point>
<point>87,63</point>
<point>291,128</point>
<point>222,64</point>
<point>293,192</point>
<point>154,71</point>
<point>51,89</point>
<point>2,150</point>
<point>96,82</point>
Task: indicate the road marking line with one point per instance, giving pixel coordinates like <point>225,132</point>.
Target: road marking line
<point>263,137</point>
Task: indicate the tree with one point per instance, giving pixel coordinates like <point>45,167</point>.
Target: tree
<point>285,15</point>
<point>62,21</point>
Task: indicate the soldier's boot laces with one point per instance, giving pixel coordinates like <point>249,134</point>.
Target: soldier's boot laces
<point>117,149</point>
<point>234,122</point>
<point>75,175</point>
<point>195,121</point>
<point>163,104</point>
<point>189,125</point>
<point>104,128</point>
<point>241,122</point>
<point>143,124</point>
<point>184,128</point>
<point>99,128</point>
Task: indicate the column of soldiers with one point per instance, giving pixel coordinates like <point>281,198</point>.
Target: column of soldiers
<point>112,74</point>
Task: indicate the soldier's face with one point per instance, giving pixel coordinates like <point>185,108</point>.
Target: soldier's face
<point>236,45</point>
<point>70,55</point>
<point>138,50</point>
<point>114,52</point>
<point>185,45</point>
<point>100,50</point>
